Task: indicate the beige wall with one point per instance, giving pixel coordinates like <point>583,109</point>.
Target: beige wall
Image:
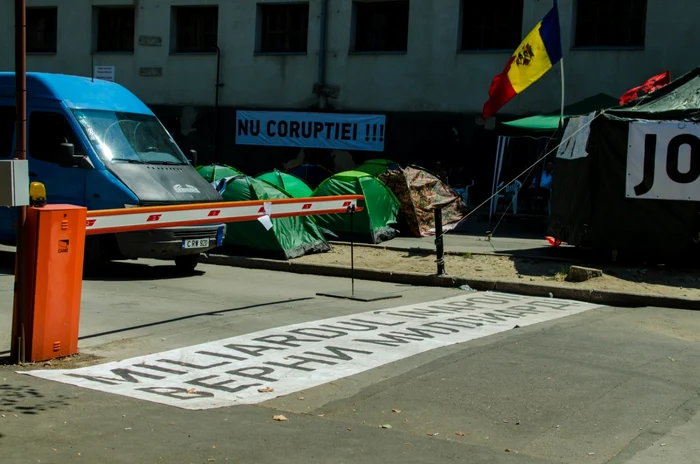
<point>431,76</point>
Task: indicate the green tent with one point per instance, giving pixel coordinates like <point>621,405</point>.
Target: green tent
<point>376,167</point>
<point>380,208</point>
<point>214,172</point>
<point>290,237</point>
<point>550,122</point>
<point>294,186</point>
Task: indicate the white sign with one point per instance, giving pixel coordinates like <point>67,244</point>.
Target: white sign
<point>105,73</point>
<point>663,161</point>
<point>575,139</point>
<point>253,368</point>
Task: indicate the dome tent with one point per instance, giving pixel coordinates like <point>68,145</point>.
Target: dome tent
<point>214,172</point>
<point>290,237</point>
<point>376,167</point>
<point>294,186</point>
<point>380,208</point>
<point>311,174</point>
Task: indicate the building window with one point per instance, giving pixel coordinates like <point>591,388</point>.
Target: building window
<point>7,130</point>
<point>42,30</point>
<point>491,25</point>
<point>608,23</point>
<point>115,29</point>
<point>284,28</point>
<point>381,26</point>
<point>196,29</point>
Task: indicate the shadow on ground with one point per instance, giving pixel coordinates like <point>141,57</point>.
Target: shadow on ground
<point>23,399</point>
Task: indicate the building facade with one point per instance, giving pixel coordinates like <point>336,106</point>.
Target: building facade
<point>426,64</point>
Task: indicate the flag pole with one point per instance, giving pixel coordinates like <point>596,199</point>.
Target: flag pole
<point>561,64</point>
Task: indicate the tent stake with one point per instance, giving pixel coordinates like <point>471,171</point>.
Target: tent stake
<point>351,212</point>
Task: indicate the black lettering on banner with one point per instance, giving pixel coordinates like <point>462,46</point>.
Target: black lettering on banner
<point>416,332</point>
<point>339,353</point>
<point>251,350</point>
<point>467,320</point>
<point>284,340</point>
<point>221,355</point>
<point>520,310</point>
<point>324,333</point>
<point>673,156</point>
<point>354,131</point>
<point>329,129</point>
<point>385,324</point>
<point>352,326</point>
<point>160,369</point>
<point>255,372</point>
<point>449,309</point>
<point>200,382</point>
<point>401,315</point>
<point>127,376</point>
<point>294,129</point>
<point>297,365</point>
<point>283,128</point>
<point>553,304</point>
<point>649,165</point>
<point>193,366</point>
<point>270,130</point>
<point>490,300</point>
<point>346,131</point>
<point>442,325</point>
<point>306,129</point>
<point>249,127</point>
<point>318,128</point>
<point>176,392</point>
<point>391,340</point>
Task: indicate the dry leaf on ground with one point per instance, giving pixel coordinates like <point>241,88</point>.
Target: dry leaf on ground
<point>397,411</point>
<point>266,390</point>
<point>280,418</point>
<point>460,434</point>
<point>191,390</point>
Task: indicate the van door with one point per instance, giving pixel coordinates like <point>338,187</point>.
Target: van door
<point>47,131</point>
<point>8,216</point>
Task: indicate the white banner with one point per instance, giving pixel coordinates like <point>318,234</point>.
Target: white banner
<point>257,367</point>
<point>663,161</point>
<point>575,139</point>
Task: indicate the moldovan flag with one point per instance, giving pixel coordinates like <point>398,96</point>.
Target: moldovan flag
<point>540,50</point>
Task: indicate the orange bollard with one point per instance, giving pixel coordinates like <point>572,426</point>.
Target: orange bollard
<point>54,275</point>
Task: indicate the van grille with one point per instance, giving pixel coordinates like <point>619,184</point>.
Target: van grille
<point>194,234</point>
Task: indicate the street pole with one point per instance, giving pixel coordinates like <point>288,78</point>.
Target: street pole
<point>17,348</point>
<point>439,242</point>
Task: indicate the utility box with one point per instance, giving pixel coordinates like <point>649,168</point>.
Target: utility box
<point>54,275</point>
<point>14,183</point>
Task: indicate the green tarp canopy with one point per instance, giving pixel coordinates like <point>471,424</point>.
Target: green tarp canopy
<point>214,172</point>
<point>550,122</point>
<point>294,186</point>
<point>374,224</point>
<point>375,167</point>
<point>289,237</point>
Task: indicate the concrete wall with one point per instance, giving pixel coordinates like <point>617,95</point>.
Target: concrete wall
<point>431,76</point>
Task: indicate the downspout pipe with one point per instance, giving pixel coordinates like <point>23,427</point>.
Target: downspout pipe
<point>217,112</point>
<point>322,53</point>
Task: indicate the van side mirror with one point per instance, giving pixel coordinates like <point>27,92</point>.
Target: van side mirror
<point>66,155</point>
<point>193,157</point>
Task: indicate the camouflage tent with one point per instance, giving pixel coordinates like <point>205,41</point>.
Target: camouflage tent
<point>419,192</point>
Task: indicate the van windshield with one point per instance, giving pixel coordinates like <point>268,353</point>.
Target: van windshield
<point>129,137</point>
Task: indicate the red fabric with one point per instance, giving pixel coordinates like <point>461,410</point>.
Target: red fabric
<point>655,83</point>
<point>500,92</point>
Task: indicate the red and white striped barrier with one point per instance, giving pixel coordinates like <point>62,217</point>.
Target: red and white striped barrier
<point>156,217</point>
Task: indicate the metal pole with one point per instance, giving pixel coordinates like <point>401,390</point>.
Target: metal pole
<point>439,244</point>
<point>351,212</point>
<point>18,340</point>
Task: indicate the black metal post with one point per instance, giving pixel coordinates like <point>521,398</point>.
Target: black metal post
<point>351,212</point>
<point>439,244</point>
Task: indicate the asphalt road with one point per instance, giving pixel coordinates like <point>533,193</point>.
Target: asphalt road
<point>604,385</point>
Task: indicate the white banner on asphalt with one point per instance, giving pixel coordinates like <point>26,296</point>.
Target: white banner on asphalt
<point>244,369</point>
<point>663,161</point>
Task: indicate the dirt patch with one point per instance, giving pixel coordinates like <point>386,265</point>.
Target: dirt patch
<point>657,281</point>
<point>68,362</point>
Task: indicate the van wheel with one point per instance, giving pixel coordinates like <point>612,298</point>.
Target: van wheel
<point>187,264</point>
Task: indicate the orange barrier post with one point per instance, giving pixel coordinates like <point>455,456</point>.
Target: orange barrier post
<point>54,274</point>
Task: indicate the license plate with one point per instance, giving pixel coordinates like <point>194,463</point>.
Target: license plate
<point>196,243</point>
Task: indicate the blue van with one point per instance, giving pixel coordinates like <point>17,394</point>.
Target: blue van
<point>95,144</point>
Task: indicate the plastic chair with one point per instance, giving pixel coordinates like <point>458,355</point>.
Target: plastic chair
<point>464,192</point>
<point>512,190</point>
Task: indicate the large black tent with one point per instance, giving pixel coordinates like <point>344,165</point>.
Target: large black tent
<point>634,185</point>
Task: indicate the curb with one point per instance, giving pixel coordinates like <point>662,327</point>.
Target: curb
<point>600,297</point>
<point>451,253</point>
